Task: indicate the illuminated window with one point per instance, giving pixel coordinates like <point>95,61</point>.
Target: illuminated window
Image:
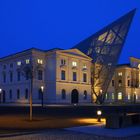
<point>129,96</point>
<point>74,64</point>
<point>106,96</point>
<point>84,66</point>
<point>113,96</point>
<point>19,63</point>
<point>27,61</point>
<point>63,62</point>
<point>119,73</point>
<point>120,96</point>
<point>39,61</point>
<point>136,97</point>
<point>139,66</point>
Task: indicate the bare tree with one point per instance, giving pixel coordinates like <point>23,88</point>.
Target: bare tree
<point>29,71</point>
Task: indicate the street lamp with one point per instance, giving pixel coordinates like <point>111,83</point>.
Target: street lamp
<point>99,113</point>
<point>42,90</point>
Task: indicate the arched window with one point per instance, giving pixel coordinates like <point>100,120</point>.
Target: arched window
<point>85,95</point>
<point>18,94</point>
<point>10,94</point>
<point>63,94</point>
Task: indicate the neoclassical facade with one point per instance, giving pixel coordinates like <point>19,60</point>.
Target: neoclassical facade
<point>59,76</point>
<point>125,84</point>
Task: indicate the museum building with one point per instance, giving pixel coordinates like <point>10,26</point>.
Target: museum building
<point>59,76</point>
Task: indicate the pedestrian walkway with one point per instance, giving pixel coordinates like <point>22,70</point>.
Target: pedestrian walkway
<point>100,130</point>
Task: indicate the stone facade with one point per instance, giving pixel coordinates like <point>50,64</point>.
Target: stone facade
<point>125,84</point>
<point>53,73</point>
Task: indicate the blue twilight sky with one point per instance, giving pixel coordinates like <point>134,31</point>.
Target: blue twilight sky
<point>46,24</point>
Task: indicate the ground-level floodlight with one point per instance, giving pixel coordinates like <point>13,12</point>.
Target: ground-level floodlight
<point>99,113</point>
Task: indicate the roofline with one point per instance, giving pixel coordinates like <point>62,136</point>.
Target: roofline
<point>11,55</point>
<point>122,65</point>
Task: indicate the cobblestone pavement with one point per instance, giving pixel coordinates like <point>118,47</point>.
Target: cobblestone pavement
<point>64,135</point>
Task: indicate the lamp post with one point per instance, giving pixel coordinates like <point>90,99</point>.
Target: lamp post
<point>99,113</point>
<point>42,90</point>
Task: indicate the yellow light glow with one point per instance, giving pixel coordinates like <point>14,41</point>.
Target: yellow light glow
<point>92,121</point>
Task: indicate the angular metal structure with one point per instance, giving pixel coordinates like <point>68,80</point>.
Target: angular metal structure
<point>105,47</point>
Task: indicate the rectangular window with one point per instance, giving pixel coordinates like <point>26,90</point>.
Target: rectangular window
<point>18,94</point>
<point>40,75</point>
<point>119,73</point>
<point>63,75</point>
<point>18,76</point>
<point>136,97</point>
<point>128,83</point>
<point>113,96</point>
<point>26,93</point>
<point>4,77</point>
<point>11,65</point>
<point>84,77</point>
<point>63,62</point>
<point>84,66</point>
<point>27,75</point>
<point>120,83</point>
<point>27,61</point>
<point>4,66</point>
<point>74,76</point>
<point>19,63</point>
<point>129,96</point>
<point>39,61</point>
<point>113,83</point>
<point>106,96</point>
<point>74,64</point>
<point>11,77</point>
<point>120,96</point>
